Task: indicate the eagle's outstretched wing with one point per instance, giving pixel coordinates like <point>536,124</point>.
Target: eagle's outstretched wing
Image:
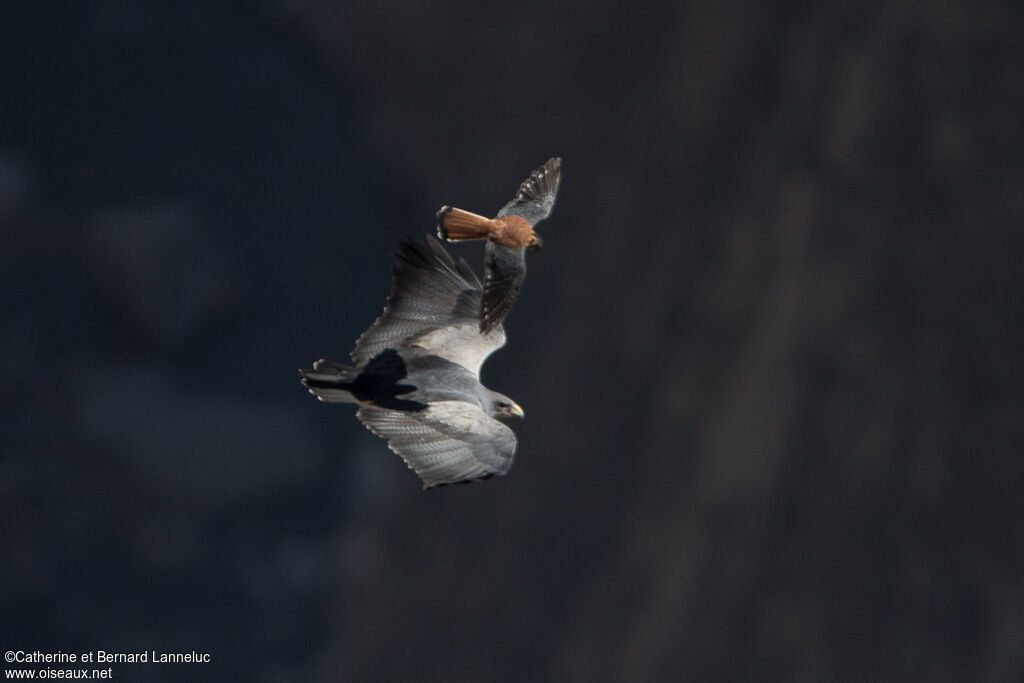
<point>447,443</point>
<point>434,307</point>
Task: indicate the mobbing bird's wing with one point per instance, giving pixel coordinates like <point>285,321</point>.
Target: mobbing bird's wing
<point>447,443</point>
<point>504,272</point>
<point>536,196</point>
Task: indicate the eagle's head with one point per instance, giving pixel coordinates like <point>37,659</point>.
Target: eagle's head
<point>502,407</point>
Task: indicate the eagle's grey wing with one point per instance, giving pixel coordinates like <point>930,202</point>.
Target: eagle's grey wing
<point>447,442</point>
<point>504,272</point>
<point>434,306</point>
<point>536,196</point>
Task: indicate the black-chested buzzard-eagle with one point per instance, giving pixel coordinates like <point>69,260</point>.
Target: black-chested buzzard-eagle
<point>417,372</point>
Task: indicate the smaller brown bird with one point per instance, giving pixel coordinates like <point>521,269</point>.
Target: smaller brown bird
<point>508,235</point>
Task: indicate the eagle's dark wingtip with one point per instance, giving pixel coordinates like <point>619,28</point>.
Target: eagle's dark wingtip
<point>487,324</point>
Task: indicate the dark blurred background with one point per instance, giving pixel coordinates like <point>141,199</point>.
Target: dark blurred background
<point>770,354</point>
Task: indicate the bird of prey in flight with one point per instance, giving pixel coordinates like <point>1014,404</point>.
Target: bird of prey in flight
<point>508,235</point>
<point>416,377</point>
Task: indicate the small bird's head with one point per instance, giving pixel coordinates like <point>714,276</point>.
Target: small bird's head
<point>504,407</point>
<point>535,242</point>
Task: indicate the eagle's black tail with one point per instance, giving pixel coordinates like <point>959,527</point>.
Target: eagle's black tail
<point>330,382</point>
